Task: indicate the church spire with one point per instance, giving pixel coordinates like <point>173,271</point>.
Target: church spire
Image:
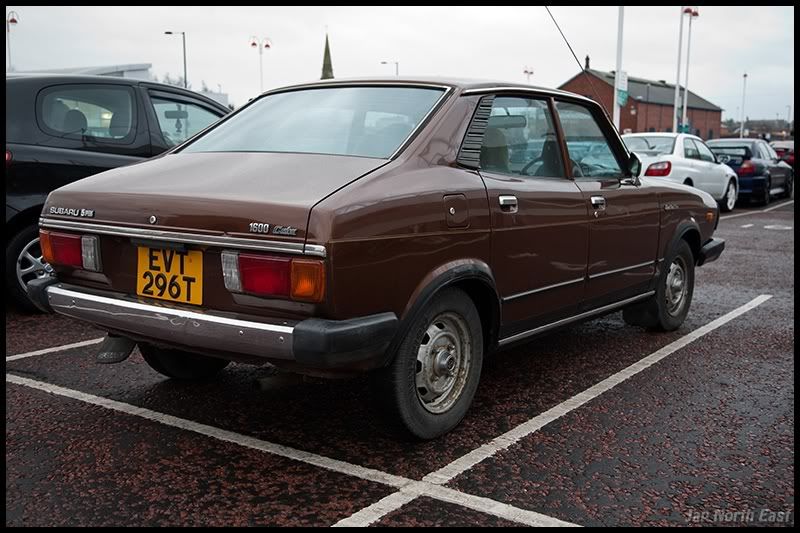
<point>327,65</point>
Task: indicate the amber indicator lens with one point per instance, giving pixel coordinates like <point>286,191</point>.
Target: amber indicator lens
<point>47,248</point>
<point>308,280</point>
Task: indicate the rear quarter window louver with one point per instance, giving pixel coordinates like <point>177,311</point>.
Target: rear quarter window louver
<point>470,153</point>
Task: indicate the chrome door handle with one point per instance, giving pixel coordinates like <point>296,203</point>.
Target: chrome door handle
<point>599,203</point>
<point>508,203</point>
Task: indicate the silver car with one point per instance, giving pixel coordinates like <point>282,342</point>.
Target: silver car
<point>686,159</point>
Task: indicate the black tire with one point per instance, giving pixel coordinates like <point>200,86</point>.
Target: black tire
<point>451,315</point>
<point>765,197</point>
<point>659,312</point>
<point>184,366</point>
<point>788,188</point>
<point>723,204</point>
<point>14,249</point>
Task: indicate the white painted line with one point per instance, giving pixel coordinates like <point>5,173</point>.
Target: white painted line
<point>409,489</point>
<point>217,433</point>
<point>747,225</point>
<point>448,472</point>
<point>55,349</point>
<point>776,206</point>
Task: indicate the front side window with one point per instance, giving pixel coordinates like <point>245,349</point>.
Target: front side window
<point>589,151</point>
<point>103,112</point>
<point>179,120</point>
<point>358,121</point>
<point>705,152</point>
<point>520,139</point>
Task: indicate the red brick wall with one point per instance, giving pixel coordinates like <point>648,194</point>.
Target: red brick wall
<point>656,116</point>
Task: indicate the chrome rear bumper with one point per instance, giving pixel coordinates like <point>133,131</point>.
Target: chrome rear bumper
<point>355,343</point>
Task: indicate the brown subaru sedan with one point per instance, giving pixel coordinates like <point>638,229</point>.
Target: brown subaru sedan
<point>407,228</point>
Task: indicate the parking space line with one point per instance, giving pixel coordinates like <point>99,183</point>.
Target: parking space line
<point>448,472</point>
<point>464,463</point>
<point>409,489</point>
<point>726,217</point>
<point>54,349</point>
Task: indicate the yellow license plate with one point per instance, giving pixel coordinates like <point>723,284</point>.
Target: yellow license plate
<point>170,275</point>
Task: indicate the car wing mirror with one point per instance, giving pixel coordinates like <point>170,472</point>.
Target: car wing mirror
<point>634,168</point>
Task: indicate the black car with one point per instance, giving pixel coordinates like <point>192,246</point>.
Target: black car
<point>61,128</point>
<point>762,174</point>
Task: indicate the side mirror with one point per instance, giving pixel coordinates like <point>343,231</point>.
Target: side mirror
<point>634,168</point>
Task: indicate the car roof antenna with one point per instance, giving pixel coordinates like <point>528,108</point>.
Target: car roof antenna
<point>588,78</point>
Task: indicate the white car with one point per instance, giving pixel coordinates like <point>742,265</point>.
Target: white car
<point>686,159</point>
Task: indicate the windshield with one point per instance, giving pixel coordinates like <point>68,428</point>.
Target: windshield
<point>650,145</point>
<point>360,121</point>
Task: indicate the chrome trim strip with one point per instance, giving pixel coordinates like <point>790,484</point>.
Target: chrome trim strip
<point>179,326</point>
<point>542,289</point>
<point>564,321</point>
<point>623,269</point>
<point>531,89</point>
<point>189,238</point>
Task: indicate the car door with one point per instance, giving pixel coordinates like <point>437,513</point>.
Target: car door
<point>693,168</point>
<point>623,215</point>
<point>176,117</point>
<point>539,219</point>
<point>715,178</point>
<point>778,170</point>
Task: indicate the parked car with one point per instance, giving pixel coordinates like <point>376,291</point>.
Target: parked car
<point>300,231</point>
<point>62,128</point>
<point>761,173</point>
<point>785,151</point>
<point>686,159</point>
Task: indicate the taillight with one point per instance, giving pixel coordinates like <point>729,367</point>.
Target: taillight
<point>71,250</point>
<point>299,279</point>
<point>747,169</point>
<point>9,157</point>
<point>659,169</point>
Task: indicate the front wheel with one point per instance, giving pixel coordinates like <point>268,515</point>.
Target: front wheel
<point>180,365</point>
<point>788,186</point>
<point>729,200</point>
<point>668,307</point>
<point>431,382</point>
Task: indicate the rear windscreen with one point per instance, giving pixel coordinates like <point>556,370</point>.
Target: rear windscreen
<point>360,121</point>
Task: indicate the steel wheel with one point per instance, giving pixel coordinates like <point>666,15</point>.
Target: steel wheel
<point>675,292</point>
<point>443,362</point>
<point>31,264</point>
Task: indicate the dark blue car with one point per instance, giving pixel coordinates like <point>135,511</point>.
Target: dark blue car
<point>762,174</point>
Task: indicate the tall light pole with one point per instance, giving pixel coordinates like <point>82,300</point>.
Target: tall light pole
<point>528,73</point>
<point>684,10</point>
<point>396,66</point>
<point>183,36</point>
<point>261,44</point>
<point>741,126</point>
<point>788,115</point>
<point>11,18</point>
<point>694,13</point>
<point>618,73</point>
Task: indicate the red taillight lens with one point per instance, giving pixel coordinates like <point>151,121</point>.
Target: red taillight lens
<point>9,157</point>
<point>747,169</point>
<point>61,249</point>
<point>659,169</point>
<point>265,275</point>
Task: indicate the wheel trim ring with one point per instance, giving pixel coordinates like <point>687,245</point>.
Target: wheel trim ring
<point>426,355</point>
<point>676,286</point>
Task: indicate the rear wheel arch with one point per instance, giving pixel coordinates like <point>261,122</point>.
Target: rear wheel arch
<point>22,220</point>
<point>472,276</point>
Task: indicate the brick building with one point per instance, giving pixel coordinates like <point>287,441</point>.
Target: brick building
<point>650,103</point>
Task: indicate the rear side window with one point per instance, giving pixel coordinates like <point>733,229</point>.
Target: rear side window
<point>103,112</point>
<point>690,150</point>
<point>705,151</point>
<point>180,120</point>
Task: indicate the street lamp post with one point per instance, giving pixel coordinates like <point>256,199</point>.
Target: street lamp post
<point>618,72</point>
<point>647,110</point>
<point>261,44</point>
<point>684,11</point>
<point>11,18</point>
<point>528,73</point>
<point>694,13</point>
<point>396,66</point>
<point>741,126</point>
<point>183,37</point>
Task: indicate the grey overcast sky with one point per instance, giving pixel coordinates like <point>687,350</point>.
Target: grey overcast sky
<point>475,42</point>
